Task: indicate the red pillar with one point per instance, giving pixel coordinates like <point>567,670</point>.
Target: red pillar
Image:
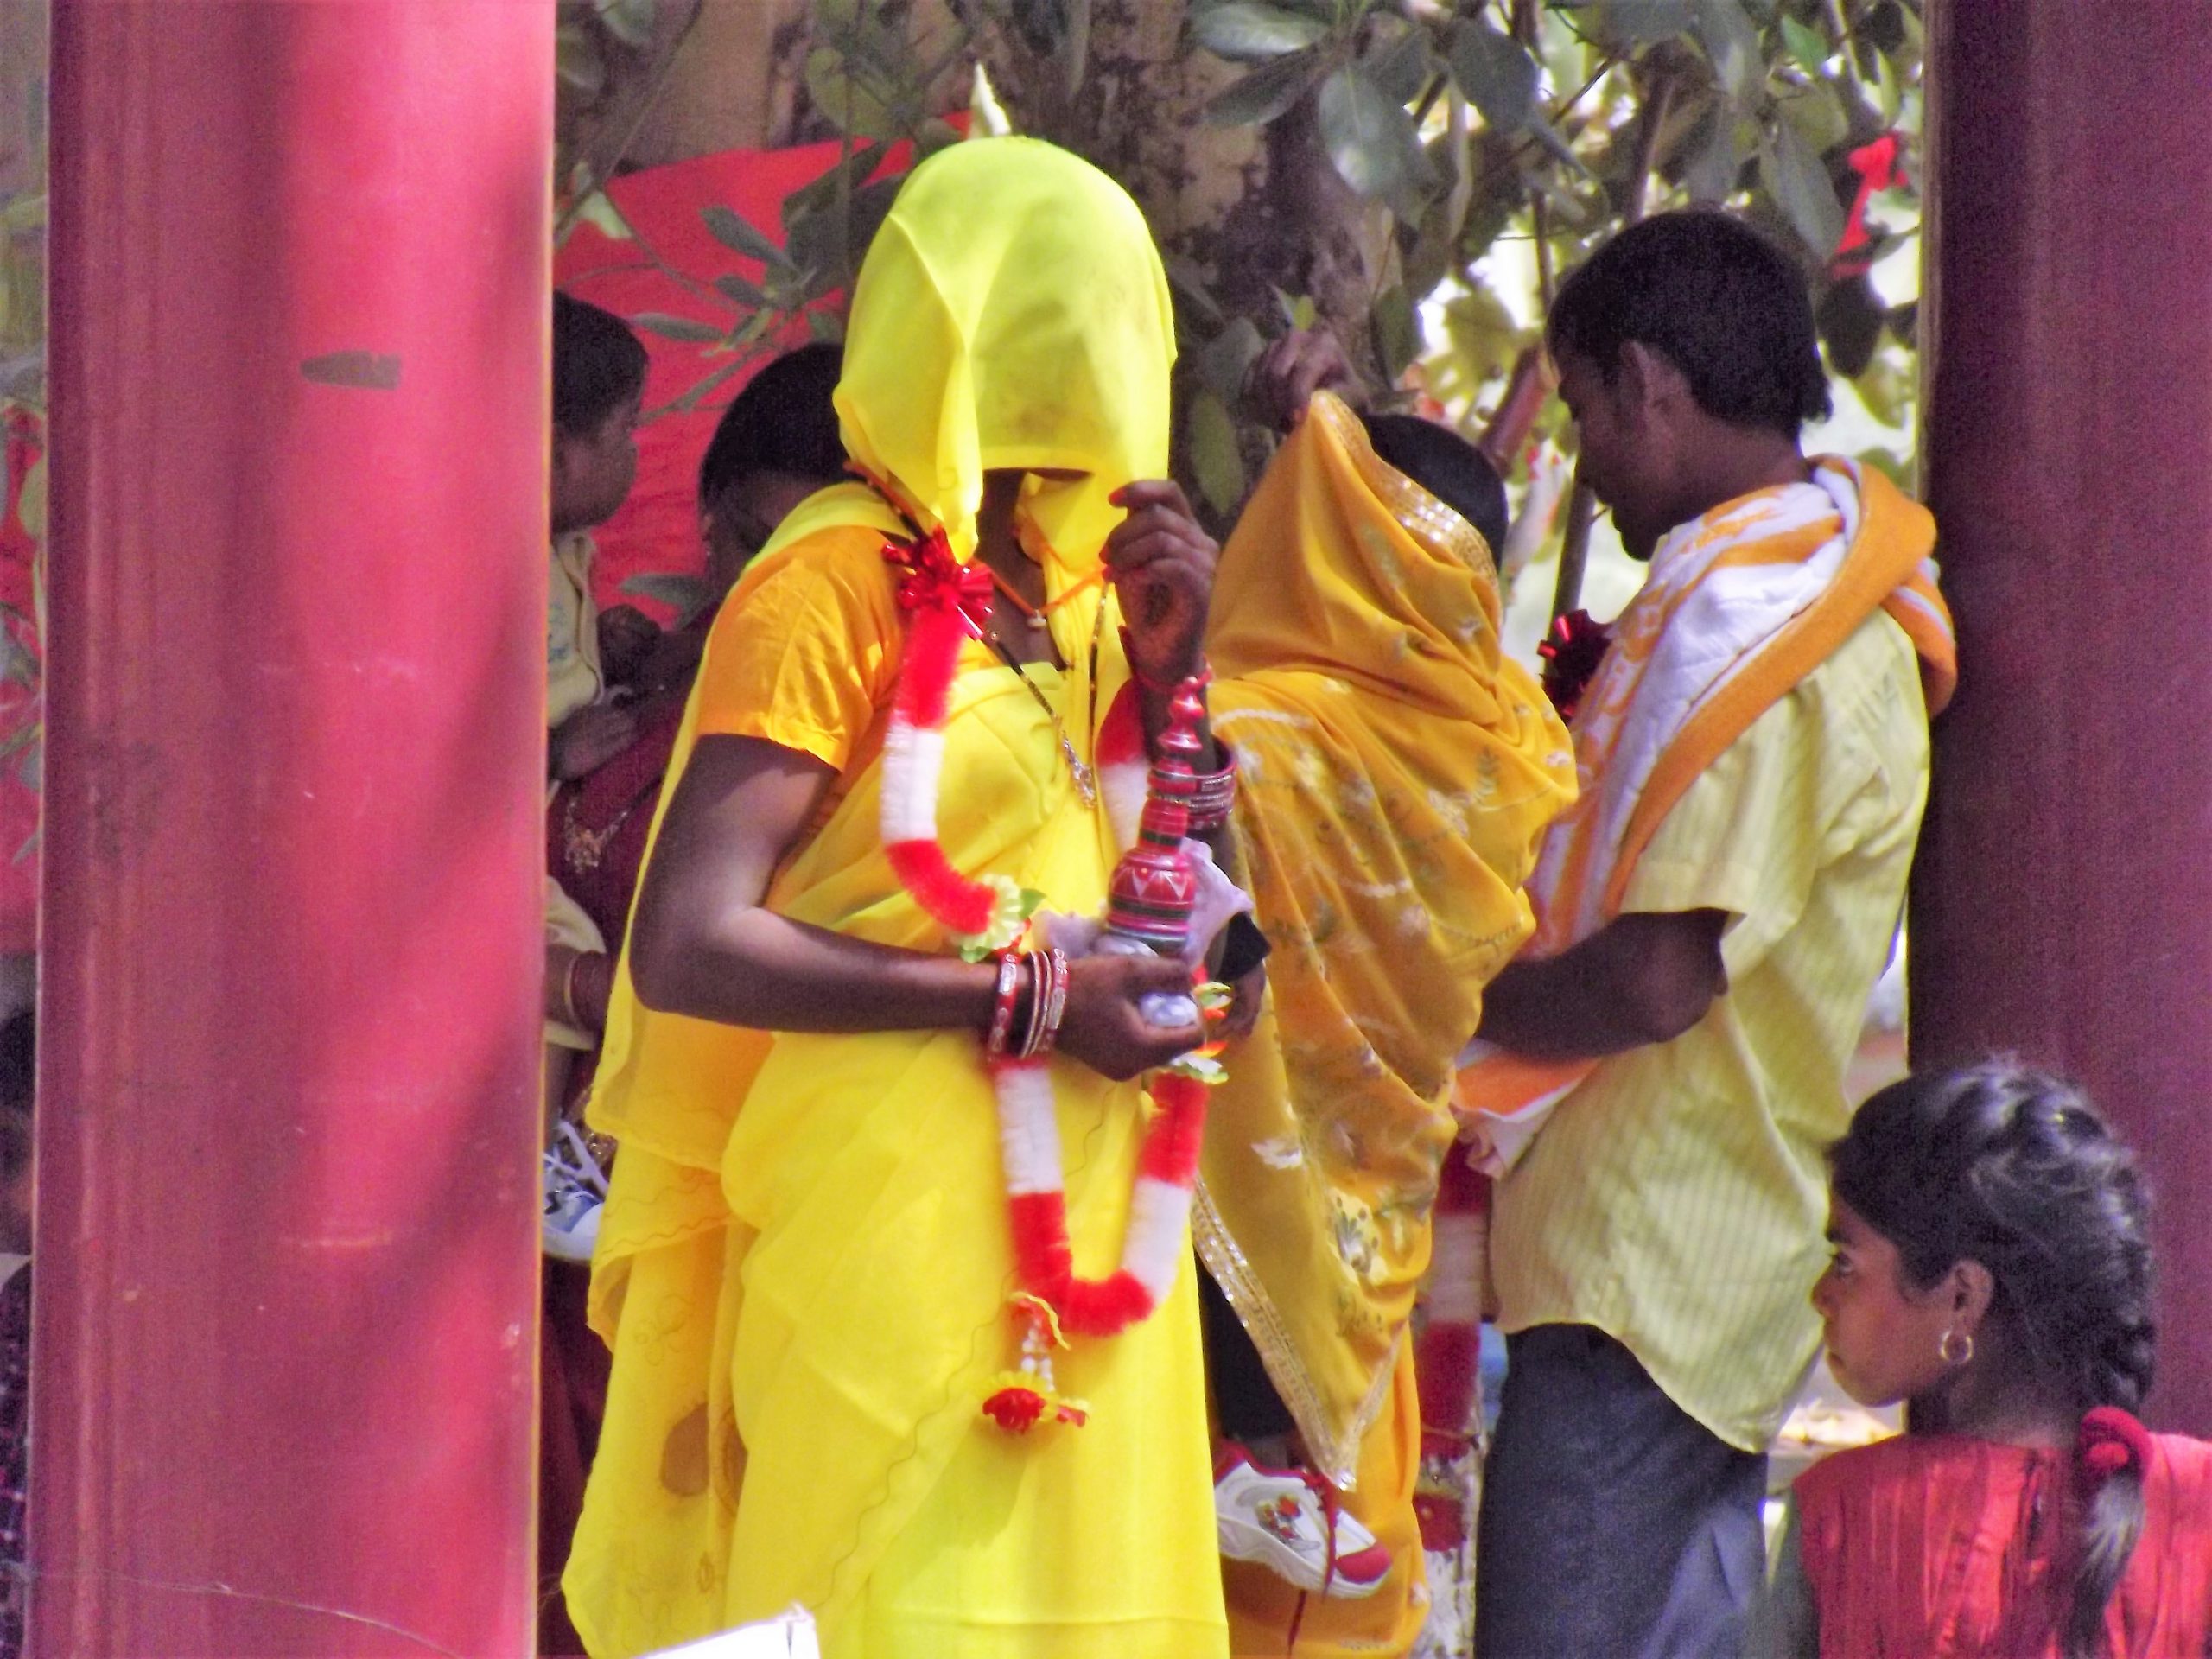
<point>2063,907</point>
<point>285,1372</point>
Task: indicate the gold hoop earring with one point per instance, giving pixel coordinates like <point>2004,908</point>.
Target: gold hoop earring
<point>1964,1351</point>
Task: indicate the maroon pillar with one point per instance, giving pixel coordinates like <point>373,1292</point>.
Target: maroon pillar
<point>286,1279</point>
<point>2063,906</point>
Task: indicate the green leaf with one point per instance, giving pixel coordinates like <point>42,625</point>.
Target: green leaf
<point>1246,33</point>
<point>577,61</point>
<point>735,287</point>
<point>1298,309</point>
<point>630,21</point>
<point>1712,174</point>
<point>1401,69</point>
<point>1265,93</point>
<point>1551,138</point>
<point>1799,182</point>
<point>839,177</point>
<point>1815,116</point>
<point>1733,44</point>
<point>847,98</point>
<point>1188,283</point>
<point>1217,459</point>
<point>733,230</point>
<point>1807,45</point>
<point>660,322</point>
<point>1370,137</point>
<point>1640,23</point>
<point>1225,361</point>
<point>1496,72</point>
<point>1397,332</point>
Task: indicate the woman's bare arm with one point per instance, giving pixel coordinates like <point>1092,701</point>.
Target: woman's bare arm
<point>703,945</point>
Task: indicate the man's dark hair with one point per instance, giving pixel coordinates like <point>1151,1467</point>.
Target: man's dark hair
<point>1716,299</point>
<point>782,422</point>
<point>598,364</point>
<point>1447,466</point>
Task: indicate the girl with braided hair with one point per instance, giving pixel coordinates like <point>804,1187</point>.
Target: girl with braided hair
<point>1991,1269</point>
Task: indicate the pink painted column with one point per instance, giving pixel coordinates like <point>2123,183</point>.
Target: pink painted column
<point>287,1270</point>
<point>2063,906</point>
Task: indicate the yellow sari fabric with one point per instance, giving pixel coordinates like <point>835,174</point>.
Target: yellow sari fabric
<point>805,1261</point>
<point>1396,776</point>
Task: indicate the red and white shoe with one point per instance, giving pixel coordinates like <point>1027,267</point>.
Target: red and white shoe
<point>1278,1519</point>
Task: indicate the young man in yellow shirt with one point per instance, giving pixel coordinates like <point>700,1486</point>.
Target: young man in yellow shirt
<point>1753,756</point>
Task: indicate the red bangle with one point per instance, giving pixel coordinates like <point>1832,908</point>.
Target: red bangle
<point>1204,676</point>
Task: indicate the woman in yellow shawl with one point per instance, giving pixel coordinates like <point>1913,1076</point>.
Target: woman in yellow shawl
<point>804,1262</point>
<point>1396,775</point>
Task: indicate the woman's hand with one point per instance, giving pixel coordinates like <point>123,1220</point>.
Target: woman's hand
<point>1246,993</point>
<point>590,737</point>
<point>1101,1027</point>
<point>1162,564</point>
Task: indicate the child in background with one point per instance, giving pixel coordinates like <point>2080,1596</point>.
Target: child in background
<point>1992,1269</point>
<point>598,379</point>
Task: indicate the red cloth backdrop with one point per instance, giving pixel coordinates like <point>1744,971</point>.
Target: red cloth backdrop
<point>669,266</point>
<point>19,701</point>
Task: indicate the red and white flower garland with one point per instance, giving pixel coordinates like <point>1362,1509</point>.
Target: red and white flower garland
<point>945,601</point>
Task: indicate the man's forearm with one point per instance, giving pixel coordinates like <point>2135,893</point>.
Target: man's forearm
<point>1641,979</point>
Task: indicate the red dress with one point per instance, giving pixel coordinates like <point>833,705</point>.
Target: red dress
<point>1930,1545</point>
<point>595,833</point>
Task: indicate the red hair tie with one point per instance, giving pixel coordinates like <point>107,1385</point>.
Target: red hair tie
<point>2111,1440</point>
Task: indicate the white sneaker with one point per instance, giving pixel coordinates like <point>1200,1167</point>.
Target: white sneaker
<point>1275,1518</point>
<point>575,1191</point>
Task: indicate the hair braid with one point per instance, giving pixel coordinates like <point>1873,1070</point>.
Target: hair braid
<point>2012,1167</point>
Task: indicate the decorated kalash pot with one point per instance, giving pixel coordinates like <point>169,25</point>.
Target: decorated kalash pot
<point>1155,887</point>
<point>1150,902</point>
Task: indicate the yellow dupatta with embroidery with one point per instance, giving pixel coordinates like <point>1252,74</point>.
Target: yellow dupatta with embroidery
<point>1396,775</point>
<point>804,1259</point>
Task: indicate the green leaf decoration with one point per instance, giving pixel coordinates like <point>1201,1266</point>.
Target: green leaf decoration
<point>736,232</point>
<point>660,322</point>
<point>1265,93</point>
<point>1032,902</point>
<point>1496,72</point>
<point>1800,188</point>
<point>1246,33</point>
<point>1217,457</point>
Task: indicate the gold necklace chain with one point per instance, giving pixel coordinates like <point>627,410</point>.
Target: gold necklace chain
<point>1086,782</point>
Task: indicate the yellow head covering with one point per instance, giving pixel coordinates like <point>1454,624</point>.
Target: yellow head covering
<point>1397,774</point>
<point>1012,314</point>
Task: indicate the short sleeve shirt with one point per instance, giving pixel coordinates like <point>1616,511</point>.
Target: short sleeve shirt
<point>1676,1199</point>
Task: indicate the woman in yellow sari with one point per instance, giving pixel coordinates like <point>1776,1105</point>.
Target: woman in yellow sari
<point>1396,772</point>
<point>804,1262</point>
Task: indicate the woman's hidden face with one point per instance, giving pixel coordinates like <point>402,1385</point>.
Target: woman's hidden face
<point>745,516</point>
<point>1884,1336</point>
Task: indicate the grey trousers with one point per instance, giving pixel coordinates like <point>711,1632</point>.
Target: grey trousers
<point>1613,1524</point>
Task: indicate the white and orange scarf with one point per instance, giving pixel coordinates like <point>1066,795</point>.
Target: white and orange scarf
<point>1742,603</point>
